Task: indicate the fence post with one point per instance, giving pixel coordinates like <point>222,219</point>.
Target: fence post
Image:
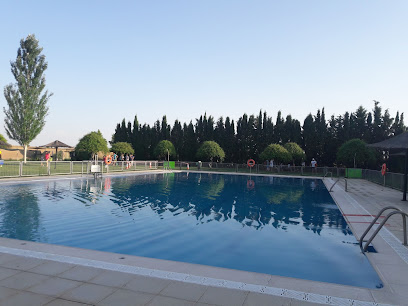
<point>20,169</point>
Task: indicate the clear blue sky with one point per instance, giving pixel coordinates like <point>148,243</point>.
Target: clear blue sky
<point>109,60</point>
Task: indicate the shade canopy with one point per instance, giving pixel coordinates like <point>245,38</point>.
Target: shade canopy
<point>397,142</point>
<point>56,144</point>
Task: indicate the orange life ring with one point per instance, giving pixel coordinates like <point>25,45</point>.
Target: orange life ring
<point>108,160</point>
<point>383,169</point>
<point>250,163</point>
<point>250,184</point>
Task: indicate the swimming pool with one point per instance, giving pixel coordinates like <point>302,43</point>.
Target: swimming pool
<point>281,226</point>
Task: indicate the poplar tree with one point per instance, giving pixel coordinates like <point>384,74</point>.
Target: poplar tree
<point>27,105</point>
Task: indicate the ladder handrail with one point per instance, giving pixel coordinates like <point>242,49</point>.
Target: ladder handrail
<point>396,211</point>
<point>331,174</point>
<point>372,224</point>
<point>345,187</point>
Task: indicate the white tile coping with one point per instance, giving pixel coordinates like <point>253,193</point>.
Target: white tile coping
<point>188,278</point>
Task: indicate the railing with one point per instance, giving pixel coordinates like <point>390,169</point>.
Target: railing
<point>261,169</point>
<point>392,180</point>
<point>394,212</point>
<point>345,184</point>
<point>327,173</point>
<point>11,169</point>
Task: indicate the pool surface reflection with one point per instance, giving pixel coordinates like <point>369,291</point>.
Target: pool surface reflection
<point>280,226</point>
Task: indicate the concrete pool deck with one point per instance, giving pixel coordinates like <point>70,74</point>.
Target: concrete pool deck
<point>44,274</point>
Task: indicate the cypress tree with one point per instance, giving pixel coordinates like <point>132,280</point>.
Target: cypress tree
<point>165,129</point>
<point>136,138</point>
<point>230,140</point>
<point>360,123</point>
<point>189,142</point>
<point>386,125</point>
<point>219,132</point>
<point>309,137</point>
<point>377,134</point>
<point>176,137</point>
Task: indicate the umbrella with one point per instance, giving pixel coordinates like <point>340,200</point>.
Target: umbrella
<point>400,143</point>
<point>56,144</point>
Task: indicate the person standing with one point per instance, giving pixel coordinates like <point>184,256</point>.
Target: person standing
<point>47,157</point>
<point>313,164</point>
<point>115,158</point>
<point>127,161</point>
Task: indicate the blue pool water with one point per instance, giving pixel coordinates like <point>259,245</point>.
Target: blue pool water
<point>280,226</point>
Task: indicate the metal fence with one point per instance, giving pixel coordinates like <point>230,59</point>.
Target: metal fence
<point>390,179</point>
<point>11,169</point>
<point>261,169</point>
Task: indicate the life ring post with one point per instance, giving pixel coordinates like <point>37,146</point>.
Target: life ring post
<point>108,160</point>
<point>250,164</point>
<point>383,171</point>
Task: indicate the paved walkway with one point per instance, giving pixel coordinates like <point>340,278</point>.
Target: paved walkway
<point>31,281</point>
<point>374,197</point>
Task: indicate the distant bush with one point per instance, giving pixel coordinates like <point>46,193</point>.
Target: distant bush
<point>209,151</point>
<point>163,148</point>
<point>90,144</point>
<point>298,155</point>
<point>276,152</point>
<point>122,148</point>
<point>355,152</point>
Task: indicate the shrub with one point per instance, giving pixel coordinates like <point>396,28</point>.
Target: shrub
<point>298,155</point>
<point>210,150</point>
<point>90,144</point>
<point>122,148</point>
<point>276,152</point>
<point>355,153</point>
<point>163,148</point>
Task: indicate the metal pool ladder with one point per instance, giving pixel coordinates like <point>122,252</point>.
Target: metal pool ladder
<point>396,211</point>
<point>345,186</point>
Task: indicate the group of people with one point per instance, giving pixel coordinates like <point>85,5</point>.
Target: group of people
<point>270,164</point>
<point>128,158</point>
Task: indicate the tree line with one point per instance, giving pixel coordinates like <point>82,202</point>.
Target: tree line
<point>248,136</point>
